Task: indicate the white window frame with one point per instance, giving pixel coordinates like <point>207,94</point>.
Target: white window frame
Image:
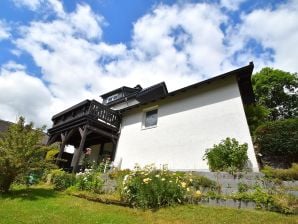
<point>144,117</point>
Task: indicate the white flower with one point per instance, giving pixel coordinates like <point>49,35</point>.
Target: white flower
<point>125,178</point>
<point>183,184</point>
<point>146,180</point>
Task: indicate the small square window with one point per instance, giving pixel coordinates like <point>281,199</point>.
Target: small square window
<point>150,119</point>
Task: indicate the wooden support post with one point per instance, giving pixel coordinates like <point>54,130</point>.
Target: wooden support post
<point>102,146</point>
<point>84,133</point>
<point>64,138</point>
<point>113,150</point>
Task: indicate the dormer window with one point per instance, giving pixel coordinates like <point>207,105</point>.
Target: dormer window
<point>113,97</point>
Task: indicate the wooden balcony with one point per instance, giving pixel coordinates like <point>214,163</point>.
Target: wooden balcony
<point>87,112</point>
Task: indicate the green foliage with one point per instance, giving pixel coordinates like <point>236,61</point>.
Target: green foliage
<point>256,115</point>
<point>242,187</point>
<point>152,188</point>
<point>272,201</point>
<point>228,156</point>
<point>282,174</point>
<point>61,179</point>
<point>277,90</point>
<point>50,156</point>
<point>89,181</point>
<point>277,142</point>
<point>199,182</point>
<point>21,153</point>
<point>286,204</point>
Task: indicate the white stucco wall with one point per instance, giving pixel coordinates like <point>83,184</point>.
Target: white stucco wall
<point>187,124</point>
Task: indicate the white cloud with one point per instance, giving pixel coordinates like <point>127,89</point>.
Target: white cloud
<point>274,29</point>
<point>231,5</point>
<point>4,30</point>
<point>22,94</point>
<point>178,44</point>
<point>31,4</point>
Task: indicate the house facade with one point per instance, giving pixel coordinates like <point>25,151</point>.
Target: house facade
<point>161,127</point>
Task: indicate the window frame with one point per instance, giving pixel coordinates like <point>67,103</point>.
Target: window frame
<point>144,116</point>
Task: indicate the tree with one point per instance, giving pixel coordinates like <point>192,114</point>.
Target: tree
<point>256,115</point>
<point>277,142</point>
<point>278,91</point>
<point>21,152</point>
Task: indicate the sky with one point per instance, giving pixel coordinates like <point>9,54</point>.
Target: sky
<point>54,54</point>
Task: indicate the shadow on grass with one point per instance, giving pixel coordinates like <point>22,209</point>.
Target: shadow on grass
<point>31,193</point>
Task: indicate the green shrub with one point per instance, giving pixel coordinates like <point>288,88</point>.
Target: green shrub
<point>277,142</point>
<point>152,188</point>
<point>282,174</point>
<point>61,179</point>
<point>271,201</point>
<point>89,181</point>
<point>227,156</point>
<point>199,182</point>
<point>242,187</point>
<point>287,204</point>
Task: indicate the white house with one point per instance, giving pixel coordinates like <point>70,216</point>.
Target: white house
<point>152,125</point>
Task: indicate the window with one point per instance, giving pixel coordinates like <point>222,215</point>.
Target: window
<point>150,119</point>
<point>112,98</point>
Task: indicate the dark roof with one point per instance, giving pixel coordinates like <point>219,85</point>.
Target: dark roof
<point>122,89</point>
<point>243,77</point>
<point>4,125</point>
<point>152,92</point>
<point>143,95</point>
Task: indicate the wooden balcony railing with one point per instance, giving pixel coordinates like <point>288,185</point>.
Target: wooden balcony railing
<point>89,109</point>
<point>104,114</point>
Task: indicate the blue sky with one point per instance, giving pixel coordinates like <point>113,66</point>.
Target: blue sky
<point>56,53</point>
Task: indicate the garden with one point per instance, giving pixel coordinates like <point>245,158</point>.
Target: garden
<point>34,190</point>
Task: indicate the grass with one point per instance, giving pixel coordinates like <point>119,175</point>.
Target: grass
<point>43,205</point>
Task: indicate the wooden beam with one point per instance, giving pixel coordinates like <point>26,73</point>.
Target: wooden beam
<point>102,145</point>
<point>52,139</point>
<point>102,132</point>
<point>77,156</point>
<point>113,151</point>
<point>64,137</point>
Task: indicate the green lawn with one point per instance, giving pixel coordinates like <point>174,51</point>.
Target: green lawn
<point>41,205</point>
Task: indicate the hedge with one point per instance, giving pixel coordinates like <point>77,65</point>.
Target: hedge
<point>277,142</point>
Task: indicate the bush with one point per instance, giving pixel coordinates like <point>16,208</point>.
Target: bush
<point>282,174</point>
<point>152,188</point>
<point>277,142</point>
<point>89,181</point>
<point>199,182</point>
<point>271,201</point>
<point>61,179</point>
<point>227,156</point>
